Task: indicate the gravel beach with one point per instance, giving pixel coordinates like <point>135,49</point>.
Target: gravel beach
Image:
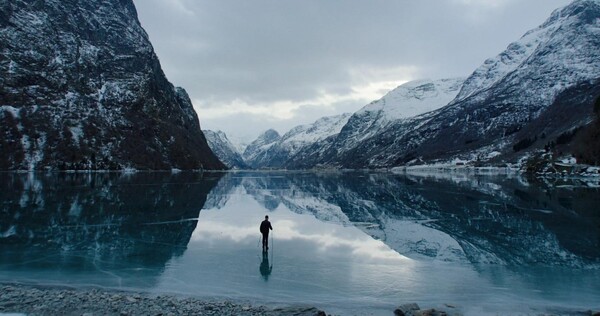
<point>20,300</point>
<point>30,300</point>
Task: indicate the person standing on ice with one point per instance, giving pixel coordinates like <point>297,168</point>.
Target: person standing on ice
<point>265,226</point>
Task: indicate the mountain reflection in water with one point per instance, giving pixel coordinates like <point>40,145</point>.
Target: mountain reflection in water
<point>99,222</point>
<point>476,219</point>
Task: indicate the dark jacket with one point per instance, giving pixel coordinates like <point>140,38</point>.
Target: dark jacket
<point>265,226</point>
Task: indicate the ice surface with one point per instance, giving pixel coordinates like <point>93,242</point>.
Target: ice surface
<point>479,243</point>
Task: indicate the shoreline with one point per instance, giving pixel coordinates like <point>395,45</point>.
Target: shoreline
<point>18,299</point>
<point>21,299</point>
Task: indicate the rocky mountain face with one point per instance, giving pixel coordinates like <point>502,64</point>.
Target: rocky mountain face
<point>271,150</point>
<point>515,103</point>
<point>225,150</point>
<point>81,88</point>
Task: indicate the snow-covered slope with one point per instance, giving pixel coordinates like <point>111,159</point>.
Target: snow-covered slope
<point>414,98</point>
<point>408,100</point>
<point>540,87</point>
<point>239,143</point>
<point>302,136</point>
<point>324,127</point>
<point>224,149</point>
<point>81,88</point>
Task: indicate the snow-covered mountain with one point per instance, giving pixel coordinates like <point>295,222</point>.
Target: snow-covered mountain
<point>404,102</point>
<point>413,98</point>
<point>239,143</point>
<point>408,100</point>
<point>272,151</point>
<point>539,88</point>
<point>224,149</point>
<point>81,88</point>
<point>257,151</point>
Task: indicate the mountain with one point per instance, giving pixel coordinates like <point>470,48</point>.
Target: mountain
<point>541,88</point>
<point>82,88</point>
<point>277,152</point>
<point>257,151</point>
<point>401,104</point>
<point>408,100</point>
<point>224,149</point>
<point>239,143</point>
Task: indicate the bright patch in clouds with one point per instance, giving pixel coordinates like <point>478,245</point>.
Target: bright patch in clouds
<point>369,85</point>
<point>288,109</point>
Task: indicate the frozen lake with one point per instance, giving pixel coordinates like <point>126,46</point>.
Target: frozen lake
<point>346,242</point>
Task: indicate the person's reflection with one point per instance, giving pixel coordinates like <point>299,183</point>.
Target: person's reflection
<point>265,268</point>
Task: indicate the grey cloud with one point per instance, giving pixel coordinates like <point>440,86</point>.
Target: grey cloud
<point>264,51</point>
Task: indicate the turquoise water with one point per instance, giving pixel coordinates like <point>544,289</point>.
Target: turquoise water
<point>347,242</point>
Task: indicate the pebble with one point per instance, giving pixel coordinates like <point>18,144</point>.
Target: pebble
<point>131,299</point>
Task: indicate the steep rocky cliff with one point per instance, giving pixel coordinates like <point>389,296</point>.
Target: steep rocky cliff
<point>81,88</point>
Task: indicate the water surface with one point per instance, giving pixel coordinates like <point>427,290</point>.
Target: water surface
<point>347,242</point>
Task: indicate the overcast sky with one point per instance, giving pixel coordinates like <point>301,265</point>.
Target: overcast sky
<point>253,65</point>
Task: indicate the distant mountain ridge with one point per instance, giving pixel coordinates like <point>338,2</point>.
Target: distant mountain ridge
<point>81,88</point>
<point>258,150</point>
<point>271,150</point>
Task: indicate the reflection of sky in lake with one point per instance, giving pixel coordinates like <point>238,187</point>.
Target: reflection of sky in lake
<point>312,261</point>
<point>333,265</point>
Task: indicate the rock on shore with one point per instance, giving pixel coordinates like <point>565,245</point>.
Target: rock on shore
<point>62,301</point>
